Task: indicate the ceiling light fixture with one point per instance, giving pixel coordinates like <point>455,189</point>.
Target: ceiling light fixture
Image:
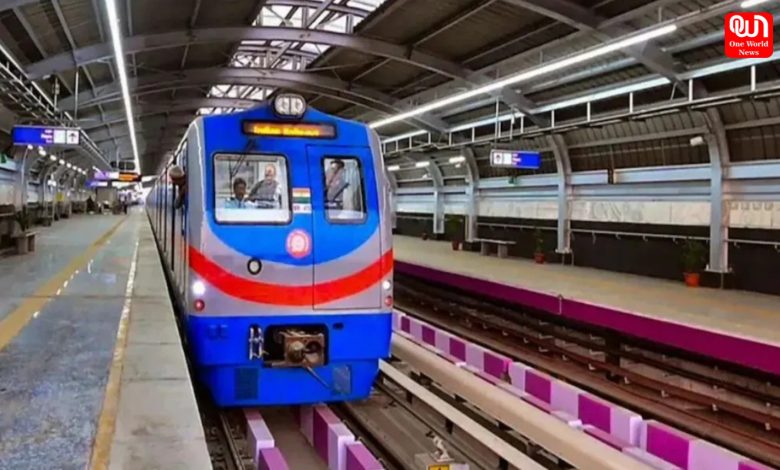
<point>422,164</point>
<point>752,3</point>
<point>529,74</point>
<point>119,56</point>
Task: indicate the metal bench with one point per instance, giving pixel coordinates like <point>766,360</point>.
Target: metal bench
<point>502,246</point>
<point>24,242</point>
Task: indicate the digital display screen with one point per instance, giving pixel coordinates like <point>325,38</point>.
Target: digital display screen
<point>289,129</point>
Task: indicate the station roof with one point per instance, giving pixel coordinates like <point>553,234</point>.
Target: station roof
<point>369,59</point>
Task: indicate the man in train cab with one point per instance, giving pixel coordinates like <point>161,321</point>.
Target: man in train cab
<point>335,184</point>
<point>267,192</point>
<point>239,200</point>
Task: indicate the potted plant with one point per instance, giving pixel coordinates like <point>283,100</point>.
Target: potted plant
<point>539,246</point>
<point>694,256</point>
<point>455,229</point>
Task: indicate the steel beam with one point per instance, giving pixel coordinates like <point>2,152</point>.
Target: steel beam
<point>563,172</point>
<point>472,193</point>
<point>146,42</point>
<point>717,144</point>
<point>323,84</point>
<point>438,196</point>
<point>582,18</point>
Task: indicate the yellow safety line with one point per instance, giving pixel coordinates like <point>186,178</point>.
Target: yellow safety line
<point>12,324</point>
<point>101,448</point>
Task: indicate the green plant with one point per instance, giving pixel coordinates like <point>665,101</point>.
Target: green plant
<point>694,255</point>
<point>538,241</point>
<point>22,219</point>
<point>454,226</point>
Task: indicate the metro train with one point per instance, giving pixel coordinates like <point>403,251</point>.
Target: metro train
<point>274,227</point>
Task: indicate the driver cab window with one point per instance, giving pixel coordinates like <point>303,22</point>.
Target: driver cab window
<point>251,189</point>
<point>344,198</point>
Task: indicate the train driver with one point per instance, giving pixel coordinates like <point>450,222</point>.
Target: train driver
<point>239,200</point>
<point>335,184</point>
<point>267,192</point>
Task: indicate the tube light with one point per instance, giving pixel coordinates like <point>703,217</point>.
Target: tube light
<point>52,158</point>
<point>393,168</point>
<point>62,162</point>
<point>529,74</point>
<point>41,151</point>
<point>752,3</point>
<point>119,56</point>
<point>422,164</point>
<point>459,159</point>
<point>716,103</point>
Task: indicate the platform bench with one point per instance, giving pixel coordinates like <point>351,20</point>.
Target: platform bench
<point>502,250</point>
<point>25,242</point>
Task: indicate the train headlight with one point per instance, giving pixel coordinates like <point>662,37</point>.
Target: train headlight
<point>198,288</point>
<point>386,285</point>
<point>290,105</point>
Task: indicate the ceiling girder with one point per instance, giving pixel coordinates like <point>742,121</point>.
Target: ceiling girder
<point>146,42</point>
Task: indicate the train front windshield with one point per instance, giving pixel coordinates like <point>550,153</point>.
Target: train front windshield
<point>251,189</point>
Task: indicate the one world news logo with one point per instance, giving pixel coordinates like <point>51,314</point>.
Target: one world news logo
<point>749,35</point>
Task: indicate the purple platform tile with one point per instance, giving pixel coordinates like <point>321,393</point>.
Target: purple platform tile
<point>272,459</point>
<point>457,348</point>
<point>406,325</point>
<point>258,435</point>
<point>565,397</point>
<point>442,341</point>
<point>706,456</point>
<point>416,330</point>
<point>323,418</point>
<point>538,385</point>
<point>596,412</point>
<point>496,364</point>
<point>429,335</point>
<point>338,438</point>
<point>359,458</point>
<point>475,356</point>
<point>667,443</point>
<point>626,425</point>
<point>516,373</point>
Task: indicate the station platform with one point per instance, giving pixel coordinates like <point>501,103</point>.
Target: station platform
<point>92,373</point>
<point>733,326</point>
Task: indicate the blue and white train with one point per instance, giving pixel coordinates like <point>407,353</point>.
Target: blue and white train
<point>274,227</point>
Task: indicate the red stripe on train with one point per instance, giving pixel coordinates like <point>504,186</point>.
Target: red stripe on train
<point>276,294</point>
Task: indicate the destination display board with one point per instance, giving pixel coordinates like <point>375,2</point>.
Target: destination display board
<point>526,159</point>
<point>46,136</point>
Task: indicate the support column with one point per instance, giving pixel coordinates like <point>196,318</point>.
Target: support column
<point>438,197</point>
<point>563,166</point>
<point>472,194</point>
<point>717,144</point>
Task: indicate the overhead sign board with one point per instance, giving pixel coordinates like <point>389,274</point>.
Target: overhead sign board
<point>515,159</point>
<point>46,135</point>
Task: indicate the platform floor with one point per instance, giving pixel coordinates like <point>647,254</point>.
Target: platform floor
<point>68,398</point>
<point>739,314</point>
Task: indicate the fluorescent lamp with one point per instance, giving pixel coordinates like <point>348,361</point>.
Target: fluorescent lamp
<point>52,158</point>
<point>393,168</point>
<point>62,162</point>
<point>752,3</point>
<point>41,151</point>
<point>422,164</point>
<point>459,159</point>
<point>529,74</point>
<point>119,56</point>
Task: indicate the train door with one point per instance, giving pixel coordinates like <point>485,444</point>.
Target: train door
<point>183,238</point>
<point>344,183</point>
<point>174,212</point>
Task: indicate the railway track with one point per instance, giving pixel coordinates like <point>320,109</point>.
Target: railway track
<point>731,407</point>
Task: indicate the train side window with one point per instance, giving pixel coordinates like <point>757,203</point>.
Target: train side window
<point>251,189</point>
<point>345,200</point>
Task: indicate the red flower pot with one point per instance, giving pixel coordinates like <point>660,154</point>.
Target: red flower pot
<point>691,279</point>
<point>455,245</point>
<point>539,258</point>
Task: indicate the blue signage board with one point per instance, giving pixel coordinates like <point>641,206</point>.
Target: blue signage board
<point>45,136</point>
<point>515,159</point>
